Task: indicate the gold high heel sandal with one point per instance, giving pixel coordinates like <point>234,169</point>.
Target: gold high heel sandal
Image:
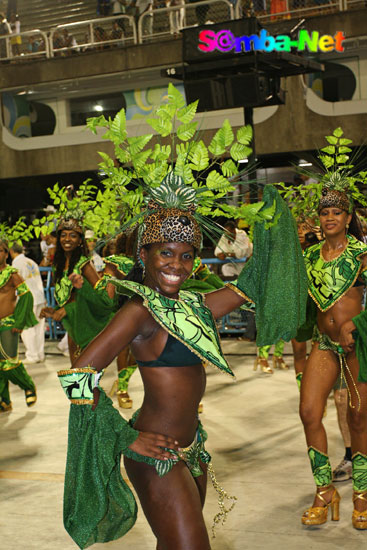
<point>359,519</point>
<point>317,515</point>
<point>263,364</point>
<point>114,388</point>
<point>279,363</point>
<point>124,399</point>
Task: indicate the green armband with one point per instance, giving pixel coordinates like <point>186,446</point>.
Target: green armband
<point>78,384</point>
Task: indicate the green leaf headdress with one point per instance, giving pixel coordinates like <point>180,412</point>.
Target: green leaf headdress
<point>337,185</point>
<point>72,220</point>
<point>172,188</point>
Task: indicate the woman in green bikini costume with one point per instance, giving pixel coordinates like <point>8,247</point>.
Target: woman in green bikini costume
<point>337,273</point>
<point>86,310</point>
<point>172,333</point>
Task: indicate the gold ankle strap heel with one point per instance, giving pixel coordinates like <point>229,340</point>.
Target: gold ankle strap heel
<point>262,363</point>
<point>317,515</point>
<point>359,519</point>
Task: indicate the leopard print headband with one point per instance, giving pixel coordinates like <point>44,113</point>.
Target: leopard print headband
<point>169,225</point>
<point>333,198</point>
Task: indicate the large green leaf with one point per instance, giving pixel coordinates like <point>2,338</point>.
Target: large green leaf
<point>186,131</point>
<point>330,149</point>
<point>137,143</point>
<point>162,127</point>
<point>186,114</point>
<point>175,97</point>
<point>118,125</point>
<point>227,133</point>
<point>215,180</point>
<point>199,156</point>
<point>160,152</point>
<point>332,140</point>
<point>244,134</point>
<point>240,152</point>
<point>338,132</point>
<point>229,168</point>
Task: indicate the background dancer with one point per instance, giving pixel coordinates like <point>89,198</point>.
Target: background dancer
<point>84,311</point>
<point>336,269</point>
<point>16,313</point>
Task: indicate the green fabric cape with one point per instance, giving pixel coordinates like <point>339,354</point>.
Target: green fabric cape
<point>275,277</point>
<point>98,505</point>
<point>88,315</point>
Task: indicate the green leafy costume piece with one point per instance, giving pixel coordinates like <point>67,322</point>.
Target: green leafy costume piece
<point>275,277</point>
<point>330,280</point>
<point>321,468</point>
<point>202,279</point>
<point>123,263</point>
<point>187,319</point>
<point>90,303</point>
<point>98,504</point>
<point>359,463</point>
<point>191,455</point>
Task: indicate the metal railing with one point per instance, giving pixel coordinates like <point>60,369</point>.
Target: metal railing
<point>9,42</point>
<point>269,10</point>
<point>95,36</point>
<point>154,24</point>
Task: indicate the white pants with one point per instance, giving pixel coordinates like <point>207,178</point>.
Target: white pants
<point>34,338</point>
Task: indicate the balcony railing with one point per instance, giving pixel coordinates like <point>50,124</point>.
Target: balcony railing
<point>154,24</point>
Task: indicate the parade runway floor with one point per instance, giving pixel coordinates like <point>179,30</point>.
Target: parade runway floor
<point>257,446</point>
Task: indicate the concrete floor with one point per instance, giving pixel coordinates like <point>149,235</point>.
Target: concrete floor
<point>255,438</point>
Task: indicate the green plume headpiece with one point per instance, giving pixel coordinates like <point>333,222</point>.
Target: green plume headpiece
<point>179,171</point>
<point>72,220</point>
<point>336,185</point>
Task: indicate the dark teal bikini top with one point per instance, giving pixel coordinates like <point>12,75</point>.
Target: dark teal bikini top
<point>174,354</point>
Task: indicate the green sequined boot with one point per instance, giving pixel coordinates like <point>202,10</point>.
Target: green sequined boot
<point>322,473</point>
<point>359,462</point>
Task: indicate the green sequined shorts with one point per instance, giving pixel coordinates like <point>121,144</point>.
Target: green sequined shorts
<point>191,455</point>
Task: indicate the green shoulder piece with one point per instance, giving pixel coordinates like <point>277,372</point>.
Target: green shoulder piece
<point>5,274</point>
<point>187,319</point>
<point>124,264</point>
<point>64,287</point>
<point>328,281</point>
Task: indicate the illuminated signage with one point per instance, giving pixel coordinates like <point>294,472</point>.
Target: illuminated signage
<point>226,41</point>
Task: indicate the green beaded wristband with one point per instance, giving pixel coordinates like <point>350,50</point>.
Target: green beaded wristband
<point>78,384</point>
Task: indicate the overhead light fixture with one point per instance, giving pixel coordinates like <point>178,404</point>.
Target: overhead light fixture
<point>303,162</point>
<point>243,161</point>
<point>98,108</point>
<point>23,92</point>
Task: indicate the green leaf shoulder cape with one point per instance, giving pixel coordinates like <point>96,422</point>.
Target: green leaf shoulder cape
<point>328,281</point>
<point>187,319</point>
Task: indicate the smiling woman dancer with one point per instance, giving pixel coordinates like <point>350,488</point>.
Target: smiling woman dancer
<point>86,310</point>
<point>336,269</point>
<point>171,333</point>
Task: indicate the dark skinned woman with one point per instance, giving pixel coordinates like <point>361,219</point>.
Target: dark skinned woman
<point>86,310</point>
<point>172,334</point>
<point>336,269</point>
